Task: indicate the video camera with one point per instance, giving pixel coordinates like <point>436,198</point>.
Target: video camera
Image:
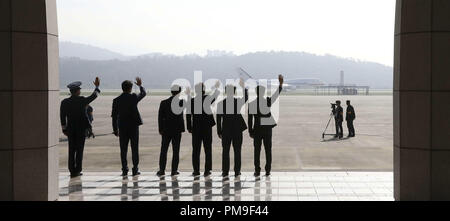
<point>332,115</point>
<point>333,108</point>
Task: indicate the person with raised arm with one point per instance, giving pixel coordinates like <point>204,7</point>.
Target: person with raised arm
<point>230,126</point>
<point>171,127</point>
<point>261,123</point>
<point>200,121</point>
<point>75,122</point>
<point>126,120</point>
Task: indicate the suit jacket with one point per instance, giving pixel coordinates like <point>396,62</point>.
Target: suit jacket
<point>231,121</point>
<point>350,115</point>
<point>201,120</point>
<point>339,114</point>
<point>260,119</point>
<point>73,114</point>
<point>168,121</point>
<point>125,113</point>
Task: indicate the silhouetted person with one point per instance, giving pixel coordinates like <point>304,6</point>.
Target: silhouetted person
<point>90,116</point>
<point>74,122</point>
<point>171,126</point>
<point>261,123</point>
<point>350,117</point>
<point>230,125</point>
<point>126,121</point>
<point>200,122</point>
<point>339,118</point>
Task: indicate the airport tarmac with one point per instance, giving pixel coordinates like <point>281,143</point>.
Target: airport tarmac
<point>297,140</point>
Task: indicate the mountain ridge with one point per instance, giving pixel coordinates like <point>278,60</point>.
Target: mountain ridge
<point>159,70</point>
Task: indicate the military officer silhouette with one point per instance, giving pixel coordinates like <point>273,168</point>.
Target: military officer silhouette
<point>230,125</point>
<point>126,120</point>
<point>200,121</point>
<point>350,117</point>
<point>261,123</point>
<point>339,118</point>
<point>171,127</point>
<point>75,122</point>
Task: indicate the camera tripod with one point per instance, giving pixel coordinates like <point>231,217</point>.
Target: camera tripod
<point>328,124</point>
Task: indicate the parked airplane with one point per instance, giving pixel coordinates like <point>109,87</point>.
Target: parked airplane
<point>289,85</point>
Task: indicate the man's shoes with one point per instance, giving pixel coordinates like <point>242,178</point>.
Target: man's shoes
<point>207,173</point>
<point>236,174</point>
<point>125,173</point>
<point>196,174</point>
<point>176,173</point>
<point>257,174</point>
<point>267,173</point>
<point>136,173</point>
<point>160,173</point>
<point>225,174</point>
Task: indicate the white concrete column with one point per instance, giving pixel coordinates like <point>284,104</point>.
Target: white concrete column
<point>422,100</point>
<point>29,100</point>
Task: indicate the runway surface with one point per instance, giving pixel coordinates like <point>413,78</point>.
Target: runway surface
<point>297,141</point>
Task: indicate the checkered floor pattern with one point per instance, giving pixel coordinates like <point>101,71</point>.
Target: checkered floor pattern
<point>281,186</point>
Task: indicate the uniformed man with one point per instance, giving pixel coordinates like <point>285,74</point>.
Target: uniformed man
<point>74,122</point>
<point>200,122</point>
<point>350,117</point>
<point>339,118</point>
<point>261,123</point>
<point>230,125</point>
<point>126,120</point>
<point>171,127</point>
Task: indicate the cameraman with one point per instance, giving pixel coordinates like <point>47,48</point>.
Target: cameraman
<point>338,112</point>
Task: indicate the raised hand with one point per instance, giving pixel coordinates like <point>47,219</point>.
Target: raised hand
<point>97,82</point>
<point>281,80</point>
<point>217,85</point>
<point>242,83</point>
<point>138,81</point>
<point>187,91</point>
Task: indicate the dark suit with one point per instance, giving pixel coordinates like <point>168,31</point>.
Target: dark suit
<point>350,117</point>
<point>200,122</point>
<point>339,118</point>
<point>260,125</point>
<point>126,121</point>
<point>171,126</point>
<point>230,125</point>
<point>75,122</point>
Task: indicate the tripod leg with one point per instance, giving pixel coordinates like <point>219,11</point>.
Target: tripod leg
<point>328,124</point>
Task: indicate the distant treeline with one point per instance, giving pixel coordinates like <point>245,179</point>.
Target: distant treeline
<point>159,71</point>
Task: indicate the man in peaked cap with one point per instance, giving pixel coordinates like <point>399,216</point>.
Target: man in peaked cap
<point>74,122</point>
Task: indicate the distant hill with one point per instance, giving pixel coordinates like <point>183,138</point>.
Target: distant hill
<point>87,52</point>
<point>158,71</point>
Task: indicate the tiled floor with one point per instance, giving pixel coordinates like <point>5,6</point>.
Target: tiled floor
<point>284,186</point>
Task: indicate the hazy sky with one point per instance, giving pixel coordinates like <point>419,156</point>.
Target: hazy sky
<point>361,29</point>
